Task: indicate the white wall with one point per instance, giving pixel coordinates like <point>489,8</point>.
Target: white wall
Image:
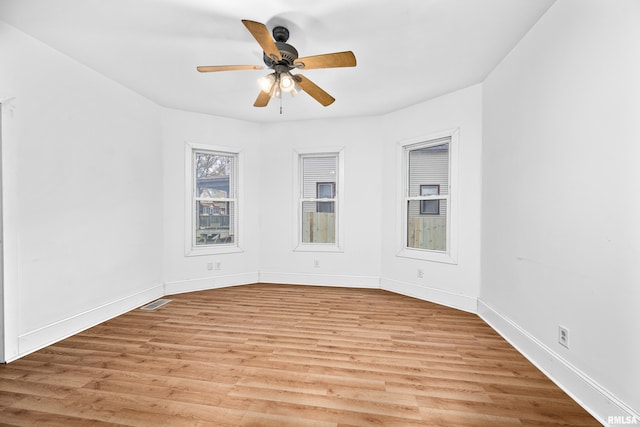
<point>187,273</point>
<point>82,195</point>
<point>456,285</point>
<point>358,264</point>
<point>561,236</point>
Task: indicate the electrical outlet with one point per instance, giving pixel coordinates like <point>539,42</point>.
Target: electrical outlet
<point>563,336</point>
<point>218,265</point>
<point>420,273</point>
<point>209,266</point>
<point>316,263</point>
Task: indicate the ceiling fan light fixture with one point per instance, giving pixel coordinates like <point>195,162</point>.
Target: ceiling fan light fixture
<point>295,90</point>
<point>287,84</point>
<point>267,82</point>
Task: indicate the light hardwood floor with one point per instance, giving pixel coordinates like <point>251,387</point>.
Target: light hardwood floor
<point>282,355</point>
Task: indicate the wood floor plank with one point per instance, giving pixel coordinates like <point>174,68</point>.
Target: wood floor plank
<point>21,386</point>
<point>385,407</point>
<point>33,418</point>
<point>283,355</point>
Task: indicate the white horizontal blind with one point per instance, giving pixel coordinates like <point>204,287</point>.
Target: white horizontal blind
<point>429,166</point>
<point>317,169</point>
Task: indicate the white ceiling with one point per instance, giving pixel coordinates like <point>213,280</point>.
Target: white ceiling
<point>407,51</point>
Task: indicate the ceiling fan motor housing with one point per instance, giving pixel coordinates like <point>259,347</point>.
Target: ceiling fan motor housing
<point>287,52</point>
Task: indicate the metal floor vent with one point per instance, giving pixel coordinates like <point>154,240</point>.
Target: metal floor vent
<point>155,304</point>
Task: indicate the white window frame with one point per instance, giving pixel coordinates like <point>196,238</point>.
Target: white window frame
<point>298,245</point>
<point>190,198</point>
<point>450,256</point>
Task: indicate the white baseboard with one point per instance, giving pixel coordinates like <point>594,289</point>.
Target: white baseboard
<point>49,334</point>
<point>214,282</point>
<point>320,280</point>
<point>594,398</point>
<point>438,296</point>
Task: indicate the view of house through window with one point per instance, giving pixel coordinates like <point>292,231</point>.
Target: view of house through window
<point>318,198</point>
<point>325,190</point>
<point>427,195</point>
<point>214,198</point>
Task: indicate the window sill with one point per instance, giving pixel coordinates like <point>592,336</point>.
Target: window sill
<point>317,248</point>
<point>223,249</point>
<point>425,255</point>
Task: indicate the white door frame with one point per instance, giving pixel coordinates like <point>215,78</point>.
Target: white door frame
<point>2,320</point>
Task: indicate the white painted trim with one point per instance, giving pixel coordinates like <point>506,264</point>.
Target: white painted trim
<point>217,250</point>
<point>369,282</point>
<point>10,243</point>
<point>7,105</point>
<point>426,255</point>
<point>327,247</point>
<point>593,397</point>
<point>57,331</point>
<point>213,282</point>
<point>189,214</point>
<point>451,255</point>
<point>438,296</point>
<point>2,305</point>
<point>297,179</point>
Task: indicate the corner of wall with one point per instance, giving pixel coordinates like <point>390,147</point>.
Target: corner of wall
<point>438,296</point>
<point>202,284</point>
<point>42,337</point>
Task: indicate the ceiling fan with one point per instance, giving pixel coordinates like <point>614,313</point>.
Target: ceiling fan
<point>282,58</point>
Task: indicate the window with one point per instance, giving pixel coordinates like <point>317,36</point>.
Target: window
<point>427,206</point>
<point>430,207</point>
<point>213,200</point>
<point>318,200</point>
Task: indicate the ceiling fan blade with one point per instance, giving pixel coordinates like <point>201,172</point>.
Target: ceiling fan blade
<point>314,90</point>
<point>260,32</point>
<point>211,68</point>
<point>262,100</point>
<point>329,60</point>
